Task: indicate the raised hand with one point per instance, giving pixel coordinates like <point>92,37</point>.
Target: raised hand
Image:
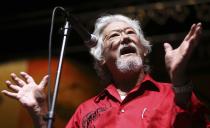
<point>29,94</point>
<point>176,59</point>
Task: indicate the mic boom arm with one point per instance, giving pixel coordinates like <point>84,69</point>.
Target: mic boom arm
<point>90,40</point>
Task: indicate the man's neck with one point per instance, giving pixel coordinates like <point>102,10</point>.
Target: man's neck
<point>127,81</point>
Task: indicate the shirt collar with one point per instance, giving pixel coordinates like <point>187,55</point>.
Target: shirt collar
<point>146,84</point>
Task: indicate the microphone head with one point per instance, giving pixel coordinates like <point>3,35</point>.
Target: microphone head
<point>92,42</point>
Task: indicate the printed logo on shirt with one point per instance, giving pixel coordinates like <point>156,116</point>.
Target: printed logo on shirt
<point>92,116</point>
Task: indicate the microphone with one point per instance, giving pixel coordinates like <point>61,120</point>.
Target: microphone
<point>90,40</point>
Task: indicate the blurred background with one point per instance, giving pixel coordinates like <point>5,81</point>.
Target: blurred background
<point>24,34</point>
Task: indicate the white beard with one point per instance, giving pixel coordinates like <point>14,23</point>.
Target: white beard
<point>129,64</point>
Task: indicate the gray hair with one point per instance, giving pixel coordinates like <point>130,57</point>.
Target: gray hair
<point>97,51</point>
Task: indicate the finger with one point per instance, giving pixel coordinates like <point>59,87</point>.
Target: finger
<point>167,47</point>
<point>199,24</point>
<point>44,81</point>
<point>191,32</point>
<point>10,94</point>
<point>17,80</point>
<point>198,30</point>
<point>28,78</point>
<point>11,86</point>
<point>195,37</point>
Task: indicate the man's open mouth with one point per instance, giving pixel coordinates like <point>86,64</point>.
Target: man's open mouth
<point>127,50</point>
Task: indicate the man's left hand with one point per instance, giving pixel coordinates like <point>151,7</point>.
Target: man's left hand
<point>176,59</point>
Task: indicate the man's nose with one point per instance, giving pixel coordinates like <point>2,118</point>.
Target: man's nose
<point>125,38</point>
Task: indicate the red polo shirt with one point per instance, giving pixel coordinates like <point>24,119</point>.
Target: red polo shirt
<point>148,105</point>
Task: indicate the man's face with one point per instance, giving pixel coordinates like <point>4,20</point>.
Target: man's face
<point>122,48</point>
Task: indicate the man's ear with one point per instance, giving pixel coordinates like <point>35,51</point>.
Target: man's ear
<point>146,52</point>
<point>102,61</point>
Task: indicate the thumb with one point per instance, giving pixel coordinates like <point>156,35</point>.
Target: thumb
<point>44,81</point>
<point>167,47</point>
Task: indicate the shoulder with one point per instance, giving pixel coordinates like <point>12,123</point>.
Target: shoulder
<point>92,104</point>
<point>81,111</point>
<point>86,112</point>
<point>162,86</point>
<point>88,104</point>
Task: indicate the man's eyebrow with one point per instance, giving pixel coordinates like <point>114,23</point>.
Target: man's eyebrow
<point>121,29</point>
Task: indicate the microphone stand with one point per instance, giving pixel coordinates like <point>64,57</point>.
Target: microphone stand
<point>55,93</point>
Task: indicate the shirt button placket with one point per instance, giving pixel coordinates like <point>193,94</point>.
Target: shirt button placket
<point>122,110</point>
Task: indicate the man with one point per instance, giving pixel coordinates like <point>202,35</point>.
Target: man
<point>132,98</point>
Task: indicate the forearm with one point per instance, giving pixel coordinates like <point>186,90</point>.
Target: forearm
<point>183,94</point>
<point>38,117</point>
<point>182,87</point>
<point>39,122</point>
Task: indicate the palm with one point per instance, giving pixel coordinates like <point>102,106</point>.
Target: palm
<point>176,59</point>
<point>28,94</point>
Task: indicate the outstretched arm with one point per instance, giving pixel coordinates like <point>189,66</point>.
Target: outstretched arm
<point>30,95</point>
<point>176,61</point>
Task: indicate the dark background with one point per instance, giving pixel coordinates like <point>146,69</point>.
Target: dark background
<point>25,27</point>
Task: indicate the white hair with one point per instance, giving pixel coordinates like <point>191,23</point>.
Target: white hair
<point>100,25</point>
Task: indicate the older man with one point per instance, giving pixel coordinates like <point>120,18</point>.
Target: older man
<point>132,98</point>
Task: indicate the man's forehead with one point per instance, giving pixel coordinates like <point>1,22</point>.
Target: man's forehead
<point>116,25</point>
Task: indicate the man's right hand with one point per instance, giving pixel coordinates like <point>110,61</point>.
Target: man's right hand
<point>29,94</point>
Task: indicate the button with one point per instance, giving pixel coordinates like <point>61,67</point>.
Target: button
<point>122,110</point>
